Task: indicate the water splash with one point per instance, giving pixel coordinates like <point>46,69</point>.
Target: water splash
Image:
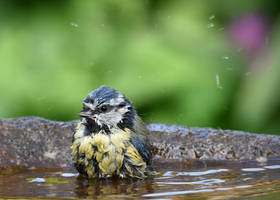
<point>252,169</point>
<point>74,24</point>
<point>69,174</point>
<point>36,180</point>
<point>272,167</point>
<point>225,57</point>
<point>178,180</point>
<point>212,17</point>
<point>218,82</point>
<point>211,25</point>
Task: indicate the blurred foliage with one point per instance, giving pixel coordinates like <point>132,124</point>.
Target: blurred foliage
<point>173,59</point>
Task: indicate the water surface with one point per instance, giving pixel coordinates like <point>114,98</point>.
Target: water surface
<point>197,180</point>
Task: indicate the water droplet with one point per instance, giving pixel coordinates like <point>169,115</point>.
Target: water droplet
<point>211,25</point>
<point>218,81</point>
<point>272,167</point>
<point>168,173</point>
<point>212,17</point>
<point>242,186</point>
<point>37,180</point>
<point>74,24</point>
<point>252,169</point>
<point>225,57</point>
<point>69,175</point>
<point>223,189</point>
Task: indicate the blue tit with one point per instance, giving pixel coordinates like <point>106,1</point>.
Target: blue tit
<point>111,139</point>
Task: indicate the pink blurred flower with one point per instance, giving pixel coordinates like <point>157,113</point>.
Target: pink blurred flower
<point>249,32</point>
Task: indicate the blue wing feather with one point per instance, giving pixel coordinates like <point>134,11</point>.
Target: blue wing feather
<point>144,149</point>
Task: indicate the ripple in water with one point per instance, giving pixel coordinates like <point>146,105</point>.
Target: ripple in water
<point>197,181</point>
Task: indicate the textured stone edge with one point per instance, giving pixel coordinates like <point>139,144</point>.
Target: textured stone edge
<point>38,142</point>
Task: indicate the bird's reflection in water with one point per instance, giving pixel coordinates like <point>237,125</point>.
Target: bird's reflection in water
<point>109,187</point>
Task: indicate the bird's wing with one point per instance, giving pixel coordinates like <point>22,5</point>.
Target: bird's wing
<point>141,142</point>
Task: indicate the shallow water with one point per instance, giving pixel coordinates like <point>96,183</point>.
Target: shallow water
<point>199,180</point>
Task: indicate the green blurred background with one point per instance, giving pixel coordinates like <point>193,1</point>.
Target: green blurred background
<point>207,63</point>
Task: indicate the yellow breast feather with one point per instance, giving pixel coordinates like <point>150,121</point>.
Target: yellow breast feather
<point>107,154</point>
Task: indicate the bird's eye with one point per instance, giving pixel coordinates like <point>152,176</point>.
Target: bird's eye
<point>104,108</point>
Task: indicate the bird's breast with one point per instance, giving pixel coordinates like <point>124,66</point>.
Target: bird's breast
<point>101,153</point>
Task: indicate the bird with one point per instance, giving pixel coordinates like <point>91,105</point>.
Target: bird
<point>111,140</point>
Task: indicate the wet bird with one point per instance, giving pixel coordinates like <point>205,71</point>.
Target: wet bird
<point>111,139</point>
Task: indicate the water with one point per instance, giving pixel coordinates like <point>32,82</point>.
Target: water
<point>211,25</point>
<point>212,17</point>
<point>74,24</point>
<point>198,180</point>
<point>218,82</point>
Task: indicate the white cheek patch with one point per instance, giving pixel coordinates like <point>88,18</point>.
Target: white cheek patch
<point>114,117</point>
<point>123,110</point>
<point>111,118</point>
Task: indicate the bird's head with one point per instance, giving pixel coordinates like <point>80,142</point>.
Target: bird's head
<point>106,108</point>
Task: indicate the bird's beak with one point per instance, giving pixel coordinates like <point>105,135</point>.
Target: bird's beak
<point>84,114</point>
